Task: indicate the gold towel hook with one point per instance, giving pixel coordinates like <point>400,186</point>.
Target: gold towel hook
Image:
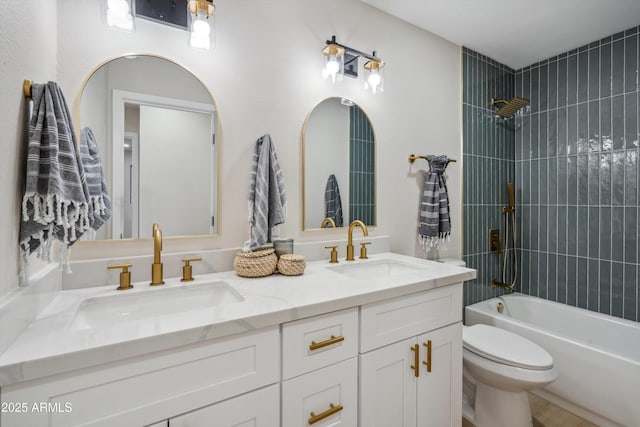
<point>26,88</point>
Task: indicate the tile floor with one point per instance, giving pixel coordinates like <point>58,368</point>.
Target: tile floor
<point>546,414</point>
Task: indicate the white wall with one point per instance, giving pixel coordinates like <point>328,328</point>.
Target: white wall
<point>264,74</point>
<point>24,54</point>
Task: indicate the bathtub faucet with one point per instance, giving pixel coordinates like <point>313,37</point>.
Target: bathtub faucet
<point>507,286</point>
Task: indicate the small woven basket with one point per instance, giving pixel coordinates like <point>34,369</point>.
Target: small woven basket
<point>259,263</point>
<point>291,264</point>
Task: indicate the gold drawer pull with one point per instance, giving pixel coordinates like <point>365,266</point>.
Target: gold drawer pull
<point>316,345</point>
<point>332,410</point>
<point>416,360</point>
<point>428,362</point>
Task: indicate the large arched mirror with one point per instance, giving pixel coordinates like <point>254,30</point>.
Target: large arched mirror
<point>338,146</point>
<point>155,125</point>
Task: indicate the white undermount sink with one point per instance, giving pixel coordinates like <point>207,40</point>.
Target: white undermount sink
<point>379,269</point>
<point>128,306</point>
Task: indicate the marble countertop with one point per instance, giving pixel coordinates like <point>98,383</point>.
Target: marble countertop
<point>53,343</point>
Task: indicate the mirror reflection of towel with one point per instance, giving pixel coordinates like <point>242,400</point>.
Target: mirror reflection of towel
<point>96,183</point>
<point>332,201</point>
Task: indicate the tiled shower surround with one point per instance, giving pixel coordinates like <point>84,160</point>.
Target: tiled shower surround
<point>361,168</point>
<point>577,176</point>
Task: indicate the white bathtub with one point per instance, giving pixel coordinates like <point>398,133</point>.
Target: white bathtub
<point>597,356</point>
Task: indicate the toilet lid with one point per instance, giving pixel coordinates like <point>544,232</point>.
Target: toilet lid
<point>505,347</point>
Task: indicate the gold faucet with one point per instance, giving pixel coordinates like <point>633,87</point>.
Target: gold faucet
<point>328,221</point>
<point>156,268</point>
<point>353,225</point>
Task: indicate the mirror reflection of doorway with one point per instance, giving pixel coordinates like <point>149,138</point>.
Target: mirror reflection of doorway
<point>131,167</point>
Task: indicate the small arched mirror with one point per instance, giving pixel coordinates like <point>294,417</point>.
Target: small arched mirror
<point>338,146</point>
<point>155,125</point>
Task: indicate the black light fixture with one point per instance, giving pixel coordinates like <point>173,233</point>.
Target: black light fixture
<point>341,60</point>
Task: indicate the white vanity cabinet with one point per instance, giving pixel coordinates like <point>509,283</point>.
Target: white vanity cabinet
<point>399,338</point>
<point>147,389</point>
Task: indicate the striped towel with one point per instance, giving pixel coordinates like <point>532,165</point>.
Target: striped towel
<point>96,183</point>
<point>267,195</point>
<point>55,202</point>
<point>435,223</point>
<point>332,201</point>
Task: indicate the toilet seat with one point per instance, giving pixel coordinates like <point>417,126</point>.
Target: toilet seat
<point>505,347</point>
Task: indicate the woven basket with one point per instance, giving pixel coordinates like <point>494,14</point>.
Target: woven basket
<point>291,264</point>
<point>259,263</point>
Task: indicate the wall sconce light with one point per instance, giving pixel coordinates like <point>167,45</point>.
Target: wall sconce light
<point>201,14</point>
<point>342,60</point>
<point>118,14</point>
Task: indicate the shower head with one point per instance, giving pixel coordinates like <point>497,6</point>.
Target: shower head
<point>509,108</point>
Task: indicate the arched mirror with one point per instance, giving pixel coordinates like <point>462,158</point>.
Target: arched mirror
<point>155,125</point>
<point>339,176</point>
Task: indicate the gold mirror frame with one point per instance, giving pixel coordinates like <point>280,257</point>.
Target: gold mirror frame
<point>218,142</point>
<point>304,170</point>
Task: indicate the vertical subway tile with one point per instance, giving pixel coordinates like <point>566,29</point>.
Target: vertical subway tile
<point>533,274</point>
<point>543,139</point>
<point>594,179</point>
<point>572,180</point>
<point>630,63</point>
<point>543,270</point>
<point>542,182</point>
<point>593,294</point>
<point>593,125</point>
<point>583,231</point>
<point>552,141</point>
<point>605,287</point>
<point>617,67</point>
<point>631,178</point>
<point>552,284</point>
<point>533,147</point>
<point>583,127</point>
<point>535,89</point>
<point>605,178</point>
<point>572,79</point>
<point>631,120</point>
<point>605,232</point>
<point>617,289</point>
<point>561,278</point>
<point>562,180</point>
<point>617,178</point>
<point>543,229</point>
<point>562,132</point>
<point>562,82</point>
<point>605,124</point>
<point>552,94</point>
<point>552,181</point>
<point>617,122</point>
<point>630,290</point>
<point>630,234</point>
<point>594,74</point>
<point>582,283</point>
<point>583,179</point>
<point>594,232</point>
<point>583,76</point>
<point>572,229</point>
<point>544,87</point>
<point>605,70</point>
<point>534,183</point>
<point>552,232</point>
<point>572,129</point>
<point>572,279</point>
<point>617,234</point>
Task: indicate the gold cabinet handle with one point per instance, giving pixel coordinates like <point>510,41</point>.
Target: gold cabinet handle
<point>316,345</point>
<point>428,362</point>
<point>416,360</point>
<point>321,416</point>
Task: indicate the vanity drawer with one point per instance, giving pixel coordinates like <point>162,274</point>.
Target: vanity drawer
<point>313,343</point>
<point>331,393</point>
<point>393,320</point>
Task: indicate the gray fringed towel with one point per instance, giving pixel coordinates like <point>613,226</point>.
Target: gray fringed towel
<point>332,201</point>
<point>267,195</point>
<point>435,223</point>
<point>96,182</point>
<point>55,202</point>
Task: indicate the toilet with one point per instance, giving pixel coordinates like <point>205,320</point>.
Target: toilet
<point>502,367</point>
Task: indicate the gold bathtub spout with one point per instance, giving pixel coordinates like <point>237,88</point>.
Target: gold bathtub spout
<point>354,224</point>
<point>507,286</point>
<point>156,268</point>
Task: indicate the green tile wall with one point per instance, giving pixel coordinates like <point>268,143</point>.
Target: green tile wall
<point>362,203</point>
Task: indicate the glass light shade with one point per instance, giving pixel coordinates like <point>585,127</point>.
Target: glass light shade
<point>374,78</point>
<point>118,14</point>
<point>201,29</point>
<point>334,62</point>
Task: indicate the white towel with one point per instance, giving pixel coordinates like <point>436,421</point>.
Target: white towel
<point>267,195</point>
